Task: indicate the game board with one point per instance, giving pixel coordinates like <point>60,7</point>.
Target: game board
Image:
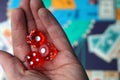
<point>86,23</point>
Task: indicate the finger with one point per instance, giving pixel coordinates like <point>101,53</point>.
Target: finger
<point>11,65</point>
<point>54,29</point>
<point>35,6</point>
<point>25,5</point>
<point>19,33</point>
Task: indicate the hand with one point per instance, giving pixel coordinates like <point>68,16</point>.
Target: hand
<point>32,15</point>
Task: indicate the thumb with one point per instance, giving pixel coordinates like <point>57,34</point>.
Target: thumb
<point>11,65</point>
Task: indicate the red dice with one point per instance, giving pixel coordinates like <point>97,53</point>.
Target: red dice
<point>36,38</point>
<point>34,59</point>
<point>45,51</point>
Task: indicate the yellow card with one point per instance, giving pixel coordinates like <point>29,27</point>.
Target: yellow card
<point>118,14</point>
<point>89,74</point>
<point>63,4</point>
<point>111,75</point>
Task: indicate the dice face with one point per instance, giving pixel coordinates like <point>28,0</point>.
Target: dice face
<point>48,51</point>
<point>45,51</point>
<point>36,38</point>
<point>34,59</point>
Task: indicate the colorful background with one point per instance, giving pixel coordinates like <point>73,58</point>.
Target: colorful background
<point>82,21</point>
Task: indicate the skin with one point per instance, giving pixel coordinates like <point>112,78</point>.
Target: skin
<point>33,15</point>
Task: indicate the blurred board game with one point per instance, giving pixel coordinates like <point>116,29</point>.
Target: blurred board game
<point>92,26</point>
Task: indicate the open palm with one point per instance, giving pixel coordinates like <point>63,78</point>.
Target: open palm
<point>32,15</point>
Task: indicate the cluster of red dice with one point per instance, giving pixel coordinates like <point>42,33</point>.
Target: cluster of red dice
<point>45,51</point>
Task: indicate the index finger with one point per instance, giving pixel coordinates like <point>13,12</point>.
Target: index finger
<point>19,33</point>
